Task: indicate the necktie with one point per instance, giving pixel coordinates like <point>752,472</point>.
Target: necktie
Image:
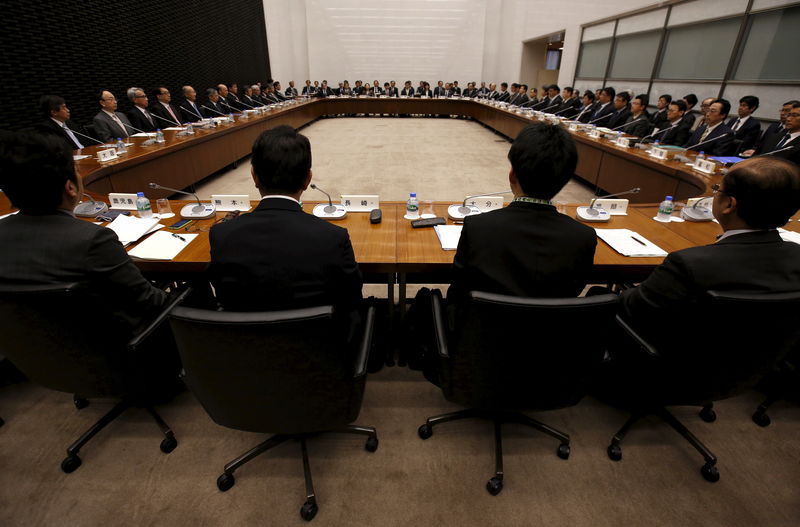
<point>705,134</point>
<point>149,117</point>
<point>196,111</point>
<point>119,123</point>
<point>174,117</point>
<point>783,141</point>
<point>737,124</point>
<point>72,136</point>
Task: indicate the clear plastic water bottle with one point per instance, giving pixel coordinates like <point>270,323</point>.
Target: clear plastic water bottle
<point>701,155</point>
<point>665,210</point>
<point>159,136</point>
<point>189,129</point>
<point>143,206</point>
<point>230,118</point>
<point>121,146</point>
<point>412,206</point>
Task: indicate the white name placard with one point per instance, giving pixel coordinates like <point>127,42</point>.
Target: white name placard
<point>705,165</point>
<point>229,202</point>
<point>109,154</point>
<point>360,202</point>
<point>122,201</point>
<point>658,153</point>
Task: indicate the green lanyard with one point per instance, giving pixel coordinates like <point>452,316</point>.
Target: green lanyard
<point>526,199</point>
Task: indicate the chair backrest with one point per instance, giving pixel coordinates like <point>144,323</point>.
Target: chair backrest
<point>278,372</point>
<point>57,342</point>
<point>525,353</point>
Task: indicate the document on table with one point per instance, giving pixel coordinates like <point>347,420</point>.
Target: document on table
<point>175,128</point>
<point>789,236</point>
<point>144,134</point>
<point>78,158</point>
<point>448,236</point>
<point>162,245</point>
<point>629,243</point>
<point>130,228</point>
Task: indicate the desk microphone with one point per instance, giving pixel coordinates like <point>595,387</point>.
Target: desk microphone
<point>459,212</point>
<point>707,141</point>
<point>329,211</point>
<point>551,106</point>
<point>199,211</point>
<point>697,213</point>
<point>599,118</point>
<point>213,110</point>
<point>564,110</point>
<point>168,121</point>
<point>90,209</point>
<point>659,132</point>
<point>329,208</point>
<point>591,214</point>
<point>623,125</point>
<point>86,136</point>
<point>785,148</point>
<point>147,142</point>
<point>189,109</point>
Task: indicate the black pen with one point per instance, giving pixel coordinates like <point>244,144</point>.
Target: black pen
<point>638,240</point>
<point>181,238</point>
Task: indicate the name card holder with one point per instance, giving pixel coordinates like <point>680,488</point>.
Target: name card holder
<point>705,165</point>
<point>594,133</point>
<point>230,202</point>
<point>486,203</point>
<point>360,202</point>
<point>573,127</point>
<point>623,142</point>
<point>658,153</point>
<point>122,201</point>
<point>109,154</point>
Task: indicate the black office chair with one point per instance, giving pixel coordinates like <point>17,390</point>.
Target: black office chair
<point>58,343</point>
<point>293,373</point>
<point>506,355</point>
<point>729,342</point>
<point>782,382</point>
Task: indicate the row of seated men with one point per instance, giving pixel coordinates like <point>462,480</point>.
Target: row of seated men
<point>278,257</point>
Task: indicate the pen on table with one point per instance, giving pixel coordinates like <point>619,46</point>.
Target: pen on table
<point>634,238</point>
<point>181,238</point>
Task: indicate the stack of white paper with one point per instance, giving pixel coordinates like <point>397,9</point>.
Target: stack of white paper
<point>130,228</point>
<point>629,243</point>
<point>162,246</point>
<point>789,236</point>
<point>448,236</point>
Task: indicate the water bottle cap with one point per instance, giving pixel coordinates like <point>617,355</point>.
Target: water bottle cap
<point>413,195</point>
<point>668,198</point>
<point>140,194</point>
<point>119,139</point>
<point>158,129</point>
<point>701,152</point>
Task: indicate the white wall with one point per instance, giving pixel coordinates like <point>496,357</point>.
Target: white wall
<point>287,40</point>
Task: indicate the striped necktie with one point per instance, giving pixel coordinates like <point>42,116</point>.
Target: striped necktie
<point>783,141</point>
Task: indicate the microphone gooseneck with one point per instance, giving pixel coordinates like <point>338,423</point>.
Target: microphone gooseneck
<point>197,208</point>
<point>329,208</point>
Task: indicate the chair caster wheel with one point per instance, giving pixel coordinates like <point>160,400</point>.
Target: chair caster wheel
<point>708,415</point>
<point>225,482</point>
<point>70,463</point>
<point>168,444</point>
<point>710,473</point>
<point>425,431</point>
<point>372,444</point>
<point>761,418</point>
<point>494,486</point>
<point>2,422</point>
<point>614,452</point>
<point>563,451</point>
<point>80,404</point>
<point>309,510</point>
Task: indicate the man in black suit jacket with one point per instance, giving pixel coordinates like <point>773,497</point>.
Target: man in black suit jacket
<point>775,128</point>
<point>605,108</point>
<point>227,106</point>
<point>139,116</point>
<point>789,140</point>
<point>503,95</point>
<point>44,243</point>
<point>109,124</point>
<point>190,111</point>
<point>291,91</point>
<point>408,90</point>
<point>165,113</point>
<point>588,108</point>
<point>659,117</point>
<point>212,106</point>
<point>527,249</point>
<point>279,257</point>
<point>755,198</point>
<point>714,133</point>
<point>56,121</point>
<point>676,130</point>
<point>747,129</point>
<point>621,110</point>
<point>638,123</point>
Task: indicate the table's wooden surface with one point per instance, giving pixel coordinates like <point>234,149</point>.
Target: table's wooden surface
<point>182,161</point>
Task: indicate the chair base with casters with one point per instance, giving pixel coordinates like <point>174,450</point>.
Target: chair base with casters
<point>72,461</point>
<point>495,484</point>
<point>309,509</point>
<point>709,470</point>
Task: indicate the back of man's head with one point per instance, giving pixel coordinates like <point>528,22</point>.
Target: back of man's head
<point>34,167</point>
<point>767,191</point>
<point>281,160</point>
<point>543,157</point>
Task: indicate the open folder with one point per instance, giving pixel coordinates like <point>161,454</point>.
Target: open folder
<point>130,228</point>
<point>629,243</point>
<point>162,245</point>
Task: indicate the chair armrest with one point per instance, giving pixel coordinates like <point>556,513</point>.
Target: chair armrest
<point>143,332</point>
<point>650,350</point>
<point>366,343</point>
<point>439,328</point>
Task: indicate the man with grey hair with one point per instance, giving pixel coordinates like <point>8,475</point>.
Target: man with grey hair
<point>139,116</point>
<point>190,110</point>
<point>212,106</point>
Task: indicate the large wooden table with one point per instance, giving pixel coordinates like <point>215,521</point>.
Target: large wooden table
<point>182,161</point>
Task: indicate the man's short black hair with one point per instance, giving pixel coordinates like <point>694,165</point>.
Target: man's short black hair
<point>680,103</point>
<point>667,97</point>
<point>625,96</point>
<point>543,157</point>
<point>34,168</point>
<point>555,87</point>
<point>504,85</point>
<point>751,101</point>
<point>524,87</point>
<point>726,106</point>
<point>611,92</point>
<point>644,100</point>
<point>281,160</point>
<point>50,103</point>
<point>590,94</point>
<point>690,99</point>
<point>767,191</point>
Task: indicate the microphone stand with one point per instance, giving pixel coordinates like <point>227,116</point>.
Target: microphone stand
<point>199,211</point>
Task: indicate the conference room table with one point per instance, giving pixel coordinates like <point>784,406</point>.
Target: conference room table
<point>184,160</point>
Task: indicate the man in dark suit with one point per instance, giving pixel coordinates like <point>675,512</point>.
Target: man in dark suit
<point>139,116</point>
<point>408,90</point>
<point>605,108</point>
<point>279,257</point>
<point>570,104</point>
<point>311,91</point>
<point>745,126</point>
<point>676,130</point>
<point>166,114</point>
<point>503,95</point>
<point>291,91</point>
<point>439,90</point>
<point>659,117</point>
<point>621,110</point>
<point>691,101</point>
<point>226,105</point>
<point>789,142</point>
<point>56,121</point>
<point>456,89</point>
<point>586,111</point>
<point>278,91</point>
<point>638,123</point>
<point>492,94</point>
<point>247,100</point>
<point>483,90</point>
<point>190,111</point>
<point>46,244</point>
<point>552,102</point>
<point>212,106</point>
<point>233,96</point>
<point>775,128</point>
<point>109,124</point>
<point>755,198</point>
<point>716,136</point>
<point>527,249</point>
